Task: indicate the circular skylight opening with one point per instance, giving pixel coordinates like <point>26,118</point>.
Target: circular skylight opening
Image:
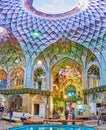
<point>55,8</point>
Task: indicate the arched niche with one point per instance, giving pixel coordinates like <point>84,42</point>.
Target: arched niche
<point>39,78</point>
<point>93,76</point>
<point>15,102</point>
<point>3,79</point>
<point>66,77</point>
<point>64,73</point>
<point>17,78</point>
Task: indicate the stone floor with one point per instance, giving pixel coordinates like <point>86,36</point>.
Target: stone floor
<point>93,123</point>
<point>4,125</point>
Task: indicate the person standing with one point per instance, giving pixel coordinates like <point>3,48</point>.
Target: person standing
<point>11,115</point>
<point>100,119</point>
<point>66,114</point>
<point>73,115</point>
<point>70,116</point>
<point>1,111</point>
<point>55,114</point>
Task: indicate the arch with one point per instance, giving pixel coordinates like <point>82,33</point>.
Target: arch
<point>38,98</point>
<point>67,59</point>
<point>94,70</point>
<point>55,85</point>
<point>17,78</point>
<point>68,65</point>
<point>93,76</point>
<point>64,73</point>
<point>91,64</point>
<point>36,66</point>
<point>3,67</point>
<point>66,82</point>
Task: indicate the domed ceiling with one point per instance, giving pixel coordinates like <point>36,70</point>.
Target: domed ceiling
<point>35,31</point>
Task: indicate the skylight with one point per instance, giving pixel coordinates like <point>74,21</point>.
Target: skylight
<point>54,6</point>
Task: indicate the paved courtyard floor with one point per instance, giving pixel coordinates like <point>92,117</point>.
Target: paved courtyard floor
<point>4,125</point>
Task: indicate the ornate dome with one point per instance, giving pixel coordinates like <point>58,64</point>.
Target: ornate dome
<point>35,32</point>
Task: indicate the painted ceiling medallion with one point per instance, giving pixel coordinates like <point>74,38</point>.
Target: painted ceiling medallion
<point>55,8</point>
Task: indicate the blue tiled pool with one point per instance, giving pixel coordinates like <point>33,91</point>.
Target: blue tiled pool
<point>52,127</point>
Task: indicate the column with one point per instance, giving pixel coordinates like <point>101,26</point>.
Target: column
<point>7,104</point>
<point>28,73</point>
<point>48,80</point>
<point>102,68</point>
<point>50,104</point>
<point>43,83</point>
<point>25,103</point>
<point>84,79</point>
<point>103,76</point>
<point>47,107</point>
<point>8,80</point>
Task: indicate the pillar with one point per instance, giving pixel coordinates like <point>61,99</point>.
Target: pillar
<point>48,80</point>
<point>28,73</point>
<point>50,105</point>
<point>8,80</point>
<point>7,104</point>
<point>102,68</point>
<point>47,107</point>
<point>84,79</point>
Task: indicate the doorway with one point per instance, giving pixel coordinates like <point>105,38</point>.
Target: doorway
<point>36,109</point>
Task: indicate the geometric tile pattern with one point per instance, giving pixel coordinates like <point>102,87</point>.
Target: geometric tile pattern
<point>87,27</point>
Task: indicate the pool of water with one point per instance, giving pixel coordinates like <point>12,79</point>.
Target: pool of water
<point>52,127</point>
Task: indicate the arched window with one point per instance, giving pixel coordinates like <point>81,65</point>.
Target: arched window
<point>93,76</point>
